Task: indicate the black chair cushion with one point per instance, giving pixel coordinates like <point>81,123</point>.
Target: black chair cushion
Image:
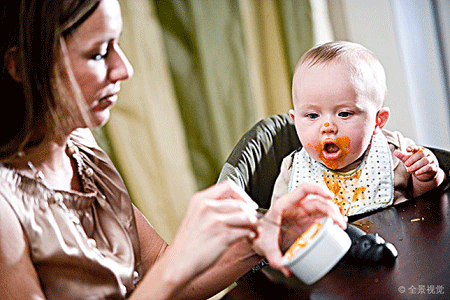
<point>254,164</point>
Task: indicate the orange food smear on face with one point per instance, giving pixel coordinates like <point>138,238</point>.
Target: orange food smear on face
<point>344,145</point>
<point>326,124</point>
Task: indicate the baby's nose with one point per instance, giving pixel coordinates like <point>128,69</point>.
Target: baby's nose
<point>328,127</point>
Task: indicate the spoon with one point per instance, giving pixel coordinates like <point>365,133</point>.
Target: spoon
<point>261,216</point>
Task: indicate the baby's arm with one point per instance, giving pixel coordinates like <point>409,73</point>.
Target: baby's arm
<point>424,167</point>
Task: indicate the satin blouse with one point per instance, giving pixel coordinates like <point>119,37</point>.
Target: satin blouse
<point>84,245</point>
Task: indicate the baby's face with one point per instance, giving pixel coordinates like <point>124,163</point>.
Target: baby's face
<point>334,121</point>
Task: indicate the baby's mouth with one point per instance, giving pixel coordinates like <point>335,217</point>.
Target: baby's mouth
<point>331,150</point>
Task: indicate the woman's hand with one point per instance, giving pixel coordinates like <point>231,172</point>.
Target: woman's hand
<point>216,218</point>
<point>295,211</point>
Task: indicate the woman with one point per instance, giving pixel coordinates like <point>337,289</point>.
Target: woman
<point>67,226</point>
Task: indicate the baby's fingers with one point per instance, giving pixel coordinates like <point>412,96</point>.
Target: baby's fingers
<point>427,166</point>
<point>402,155</point>
<point>412,155</point>
<point>413,166</point>
<point>415,149</point>
<point>417,155</point>
<point>427,169</point>
<point>419,159</point>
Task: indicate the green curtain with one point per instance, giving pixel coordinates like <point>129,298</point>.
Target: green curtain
<point>297,29</point>
<point>205,72</point>
<point>206,52</point>
<point>205,45</point>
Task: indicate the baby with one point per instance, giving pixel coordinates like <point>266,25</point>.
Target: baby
<point>338,95</point>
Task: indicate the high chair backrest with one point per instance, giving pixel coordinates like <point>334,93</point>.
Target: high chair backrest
<point>255,162</point>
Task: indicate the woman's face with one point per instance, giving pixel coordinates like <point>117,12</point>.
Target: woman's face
<point>98,63</point>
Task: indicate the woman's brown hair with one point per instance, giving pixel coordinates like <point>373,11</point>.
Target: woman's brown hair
<point>33,31</point>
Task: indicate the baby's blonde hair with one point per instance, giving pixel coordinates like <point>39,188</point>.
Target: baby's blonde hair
<point>368,74</point>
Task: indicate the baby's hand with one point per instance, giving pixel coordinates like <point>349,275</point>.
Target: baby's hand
<point>419,161</point>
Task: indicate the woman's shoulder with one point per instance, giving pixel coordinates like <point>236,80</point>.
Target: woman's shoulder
<point>25,196</point>
<point>84,140</point>
<point>84,136</point>
<point>105,175</point>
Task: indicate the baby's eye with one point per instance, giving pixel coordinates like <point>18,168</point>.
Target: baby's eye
<point>345,114</point>
<point>312,116</point>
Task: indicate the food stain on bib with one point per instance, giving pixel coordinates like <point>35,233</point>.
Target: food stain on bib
<point>359,193</point>
<point>342,188</point>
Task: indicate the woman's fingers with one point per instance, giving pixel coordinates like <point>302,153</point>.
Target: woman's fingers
<point>275,262</point>
<point>216,218</point>
<point>307,200</point>
<point>301,192</point>
<point>296,209</point>
<point>227,190</point>
<point>267,245</point>
<point>232,207</point>
<point>234,213</point>
<point>307,189</point>
<point>313,205</point>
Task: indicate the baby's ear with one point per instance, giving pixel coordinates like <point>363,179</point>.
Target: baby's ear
<point>382,118</point>
<point>12,63</point>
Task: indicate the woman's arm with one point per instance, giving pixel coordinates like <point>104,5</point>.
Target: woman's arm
<point>152,245</point>
<point>19,279</point>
